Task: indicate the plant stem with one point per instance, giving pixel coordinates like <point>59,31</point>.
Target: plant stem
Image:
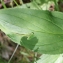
<point>15,2</point>
<point>35,3</point>
<point>13,53</point>
<point>56,5</point>
<point>3,4</point>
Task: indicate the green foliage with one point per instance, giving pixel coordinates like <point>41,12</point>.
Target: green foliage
<point>2,61</point>
<point>38,30</point>
<point>46,27</point>
<point>49,59</point>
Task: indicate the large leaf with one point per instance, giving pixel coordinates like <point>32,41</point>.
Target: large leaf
<point>46,26</point>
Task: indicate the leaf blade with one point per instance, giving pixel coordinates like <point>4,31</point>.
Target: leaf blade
<point>44,24</point>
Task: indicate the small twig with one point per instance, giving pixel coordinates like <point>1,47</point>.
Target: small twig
<point>13,53</point>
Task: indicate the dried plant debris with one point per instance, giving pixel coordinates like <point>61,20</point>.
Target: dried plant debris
<point>7,48</point>
<point>12,3</point>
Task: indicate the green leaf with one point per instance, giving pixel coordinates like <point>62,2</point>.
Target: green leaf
<point>49,59</point>
<point>15,37</point>
<point>27,42</point>
<point>46,26</point>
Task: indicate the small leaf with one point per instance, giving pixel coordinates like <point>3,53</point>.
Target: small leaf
<point>25,42</point>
